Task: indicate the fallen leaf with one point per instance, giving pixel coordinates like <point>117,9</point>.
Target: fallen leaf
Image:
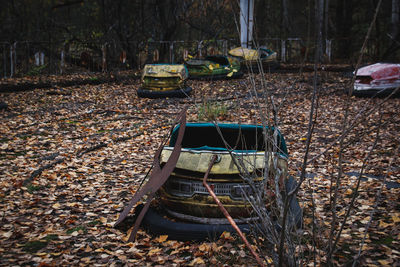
<point>204,247</point>
<point>7,234</point>
<point>396,217</point>
<point>196,261</point>
<point>226,235</point>
<point>384,224</point>
<point>385,262</point>
<point>162,238</point>
<point>154,251</point>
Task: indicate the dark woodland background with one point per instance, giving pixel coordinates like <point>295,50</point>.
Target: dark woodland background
<point>140,27</point>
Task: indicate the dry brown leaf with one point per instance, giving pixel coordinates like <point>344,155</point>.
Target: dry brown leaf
<point>162,238</point>
<point>154,251</point>
<point>196,261</point>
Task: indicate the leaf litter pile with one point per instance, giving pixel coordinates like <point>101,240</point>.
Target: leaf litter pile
<point>71,157</point>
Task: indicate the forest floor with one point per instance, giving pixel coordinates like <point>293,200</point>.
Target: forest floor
<point>71,157</point>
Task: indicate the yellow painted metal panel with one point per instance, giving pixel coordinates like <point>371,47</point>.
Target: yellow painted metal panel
<point>199,161</point>
<point>245,53</point>
<point>153,70</point>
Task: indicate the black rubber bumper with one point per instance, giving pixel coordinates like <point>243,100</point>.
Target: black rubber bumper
<point>376,93</point>
<point>255,68</point>
<point>235,75</point>
<point>182,231</point>
<point>184,92</point>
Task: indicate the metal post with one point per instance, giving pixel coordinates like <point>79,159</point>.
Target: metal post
<point>283,50</point>
<point>26,69</point>
<point>171,52</point>
<point>185,54</point>
<point>225,47</point>
<point>328,49</point>
<point>11,62</point>
<point>156,55</point>
<point>62,62</point>
<point>4,61</point>
<point>37,59</point>
<point>15,56</point>
<point>199,46</point>
<point>41,56</point>
<point>104,57</point>
<point>13,59</point>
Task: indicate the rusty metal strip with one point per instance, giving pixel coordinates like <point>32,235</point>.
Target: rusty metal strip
<point>139,219</point>
<point>226,213</point>
<point>158,176</point>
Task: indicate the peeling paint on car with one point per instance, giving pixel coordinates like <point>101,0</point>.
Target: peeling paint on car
<point>164,80</point>
<point>218,66</point>
<point>184,196</point>
<point>377,77</point>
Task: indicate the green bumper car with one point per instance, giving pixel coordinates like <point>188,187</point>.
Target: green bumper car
<point>252,59</point>
<point>214,67</point>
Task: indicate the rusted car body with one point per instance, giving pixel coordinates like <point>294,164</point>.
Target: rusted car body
<point>214,67</point>
<point>184,196</point>
<point>379,78</point>
<point>164,80</point>
<point>241,151</point>
<point>251,58</point>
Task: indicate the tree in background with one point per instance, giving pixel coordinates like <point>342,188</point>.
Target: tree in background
<point>130,25</point>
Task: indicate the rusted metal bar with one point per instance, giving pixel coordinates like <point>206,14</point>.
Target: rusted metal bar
<point>226,213</point>
<point>157,178</point>
<point>139,219</point>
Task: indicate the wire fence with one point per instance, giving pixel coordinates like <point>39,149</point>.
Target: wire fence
<point>37,58</point>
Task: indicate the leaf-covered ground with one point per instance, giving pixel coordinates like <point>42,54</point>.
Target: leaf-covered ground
<point>71,157</point>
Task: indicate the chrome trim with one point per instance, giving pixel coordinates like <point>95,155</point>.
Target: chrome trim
<point>196,187</point>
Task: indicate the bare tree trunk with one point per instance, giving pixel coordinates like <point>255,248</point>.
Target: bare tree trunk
<point>285,19</point>
<point>335,236</point>
<point>344,20</point>
<point>319,17</point>
<point>326,19</point>
<point>394,34</point>
<point>307,45</point>
<point>395,19</point>
<point>326,32</point>
<point>377,52</point>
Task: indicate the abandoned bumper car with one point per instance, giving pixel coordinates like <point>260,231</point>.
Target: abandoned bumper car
<point>186,211</point>
<point>214,67</point>
<point>164,80</point>
<point>377,79</point>
<point>252,59</point>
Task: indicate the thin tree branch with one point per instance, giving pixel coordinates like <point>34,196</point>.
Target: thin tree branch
<point>372,213</point>
<point>355,191</point>
<point>331,246</point>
